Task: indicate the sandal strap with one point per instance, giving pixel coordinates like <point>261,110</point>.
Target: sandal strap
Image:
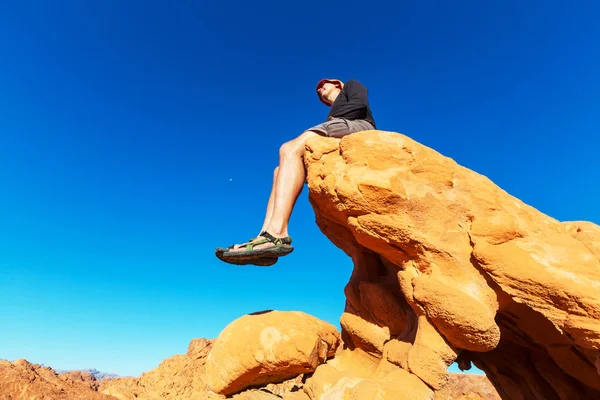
<point>268,238</point>
<point>249,240</point>
<point>276,240</point>
<point>256,237</point>
<point>250,245</point>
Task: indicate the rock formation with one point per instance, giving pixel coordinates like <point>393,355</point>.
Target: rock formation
<point>448,268</point>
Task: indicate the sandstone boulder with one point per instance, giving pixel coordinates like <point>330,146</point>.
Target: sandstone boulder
<point>268,347</point>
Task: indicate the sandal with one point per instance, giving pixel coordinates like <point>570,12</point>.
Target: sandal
<point>261,262</point>
<point>281,247</point>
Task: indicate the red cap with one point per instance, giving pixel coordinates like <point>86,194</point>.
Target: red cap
<point>323,81</point>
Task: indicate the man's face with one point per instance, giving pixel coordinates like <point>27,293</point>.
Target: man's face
<point>325,89</point>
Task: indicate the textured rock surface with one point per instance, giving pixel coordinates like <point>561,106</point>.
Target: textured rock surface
<point>358,375</point>
<point>268,347</point>
<point>467,387</point>
<point>176,378</point>
<point>22,380</point>
<point>447,264</point>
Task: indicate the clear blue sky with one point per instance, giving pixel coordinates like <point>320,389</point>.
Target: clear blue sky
<point>137,136</point>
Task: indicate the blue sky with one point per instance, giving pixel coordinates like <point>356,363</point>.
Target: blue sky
<point>135,137</point>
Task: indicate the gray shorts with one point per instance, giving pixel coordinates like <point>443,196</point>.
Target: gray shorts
<point>340,127</point>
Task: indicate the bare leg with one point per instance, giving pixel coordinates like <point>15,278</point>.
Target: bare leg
<point>271,203</point>
<point>290,181</point>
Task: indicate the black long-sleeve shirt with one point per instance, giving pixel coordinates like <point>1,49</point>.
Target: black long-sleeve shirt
<point>352,103</point>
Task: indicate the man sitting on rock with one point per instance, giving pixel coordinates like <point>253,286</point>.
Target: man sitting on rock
<point>350,112</point>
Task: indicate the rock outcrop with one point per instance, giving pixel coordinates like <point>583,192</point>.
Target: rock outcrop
<point>448,268</point>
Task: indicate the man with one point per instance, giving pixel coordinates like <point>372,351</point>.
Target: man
<point>350,112</point>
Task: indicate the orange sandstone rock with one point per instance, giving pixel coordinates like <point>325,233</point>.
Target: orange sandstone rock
<point>447,264</point>
<point>266,348</point>
<point>467,387</point>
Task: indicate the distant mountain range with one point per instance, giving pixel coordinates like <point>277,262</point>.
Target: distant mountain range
<point>97,374</point>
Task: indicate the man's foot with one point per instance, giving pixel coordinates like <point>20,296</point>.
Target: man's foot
<point>261,261</point>
<point>265,245</point>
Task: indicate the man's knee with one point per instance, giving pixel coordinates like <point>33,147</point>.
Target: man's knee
<point>275,172</point>
<point>296,147</point>
<point>291,149</point>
